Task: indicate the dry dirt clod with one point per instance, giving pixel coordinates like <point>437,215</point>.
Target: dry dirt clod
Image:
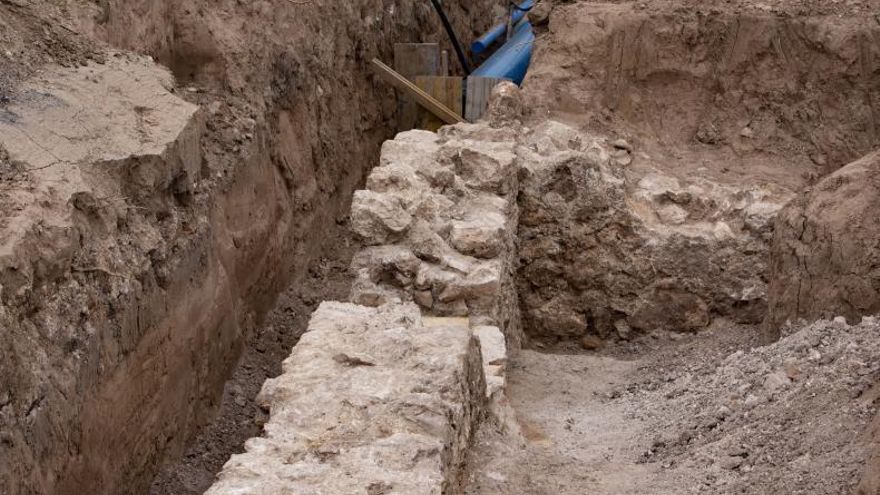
<point>591,342</point>
<point>351,361</point>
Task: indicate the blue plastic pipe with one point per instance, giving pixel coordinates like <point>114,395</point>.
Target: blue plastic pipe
<point>512,60</point>
<point>484,42</point>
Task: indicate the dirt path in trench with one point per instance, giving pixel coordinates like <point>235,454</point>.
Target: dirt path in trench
<point>239,417</point>
<point>568,431</point>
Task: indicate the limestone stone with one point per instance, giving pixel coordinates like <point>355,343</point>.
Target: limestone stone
<point>383,275</point>
<point>378,218</point>
<point>434,208</point>
<point>481,165</point>
<point>481,283</point>
<point>424,298</point>
<point>457,191</point>
<point>391,264</point>
<point>505,105</point>
<point>484,281</point>
<point>457,307</point>
<point>414,147</point>
<point>493,349</point>
<point>426,243</point>
<point>369,397</point>
<point>396,177</point>
<point>434,277</point>
<point>482,235</point>
<point>368,293</point>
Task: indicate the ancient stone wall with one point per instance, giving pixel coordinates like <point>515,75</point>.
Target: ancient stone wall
<point>606,248</point>
<point>460,227</point>
<point>439,216</point>
<point>371,401</point>
<point>384,395</point>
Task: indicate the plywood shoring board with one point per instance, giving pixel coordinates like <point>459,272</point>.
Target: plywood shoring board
<point>478,91</point>
<point>411,90</point>
<point>447,90</point>
<point>411,60</point>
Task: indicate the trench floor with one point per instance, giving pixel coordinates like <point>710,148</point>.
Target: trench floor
<point>566,431</point>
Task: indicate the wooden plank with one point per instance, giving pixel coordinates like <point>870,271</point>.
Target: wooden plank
<point>446,90</point>
<point>478,91</point>
<point>411,60</point>
<point>409,88</point>
<point>417,59</point>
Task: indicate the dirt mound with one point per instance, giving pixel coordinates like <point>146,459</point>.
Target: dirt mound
<point>826,251</point>
<point>601,241</point>
<point>786,418</point>
<point>669,415</point>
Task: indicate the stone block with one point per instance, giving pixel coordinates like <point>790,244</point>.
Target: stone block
<point>368,398</point>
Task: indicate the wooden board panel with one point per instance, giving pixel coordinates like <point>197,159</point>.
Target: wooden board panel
<point>478,91</point>
<point>411,60</point>
<point>417,59</point>
<point>410,89</point>
<point>446,90</point>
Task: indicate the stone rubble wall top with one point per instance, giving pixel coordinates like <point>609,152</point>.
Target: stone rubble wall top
<point>370,401</point>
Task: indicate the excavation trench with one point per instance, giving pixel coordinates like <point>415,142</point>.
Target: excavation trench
<point>553,233</point>
<point>142,248</point>
<point>625,245</point>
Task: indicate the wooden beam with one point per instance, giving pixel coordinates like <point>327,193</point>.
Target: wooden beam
<point>424,99</point>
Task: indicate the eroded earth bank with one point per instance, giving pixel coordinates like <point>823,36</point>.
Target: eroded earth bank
<point>653,269</point>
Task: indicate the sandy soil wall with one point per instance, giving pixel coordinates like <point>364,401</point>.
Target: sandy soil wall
<point>799,87</point>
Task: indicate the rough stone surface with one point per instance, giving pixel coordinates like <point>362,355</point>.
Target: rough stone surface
<point>66,142</point>
<point>446,225</point>
<point>494,351</point>
<point>378,218</point>
<point>370,401</point>
<point>601,243</point>
<point>826,251</point>
<point>506,105</point>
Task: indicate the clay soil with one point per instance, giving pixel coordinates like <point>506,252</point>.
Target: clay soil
<point>778,91</point>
